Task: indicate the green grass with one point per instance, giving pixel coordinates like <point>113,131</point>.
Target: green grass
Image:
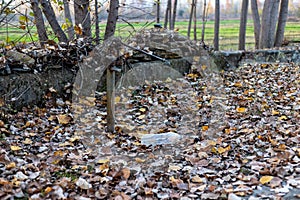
<point>229,31</point>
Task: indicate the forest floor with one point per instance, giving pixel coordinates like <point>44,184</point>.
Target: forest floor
<point>240,140</point>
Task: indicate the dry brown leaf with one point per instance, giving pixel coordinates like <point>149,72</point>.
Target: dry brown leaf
<point>197,179</point>
<point>125,173</point>
<point>63,119</point>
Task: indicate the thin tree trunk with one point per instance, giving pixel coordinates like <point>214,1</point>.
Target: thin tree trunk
<point>273,23</point>
<point>265,24</point>
<point>191,18</point>
<point>243,25</point>
<point>174,15</point>
<point>283,14</point>
<point>97,29</point>
<point>82,17</point>
<point>268,24</point>
<point>217,25</point>
<point>203,22</point>
<point>256,22</point>
<point>168,15</point>
<point>50,15</point>
<point>39,21</point>
<point>68,18</point>
<point>195,21</point>
<point>158,11</point>
<point>112,19</point>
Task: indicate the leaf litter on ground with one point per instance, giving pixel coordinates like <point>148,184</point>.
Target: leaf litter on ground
<point>254,153</point>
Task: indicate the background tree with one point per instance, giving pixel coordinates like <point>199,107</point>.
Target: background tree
<point>168,15</point>
<point>39,22</point>
<point>97,28</point>
<point>195,21</point>
<point>243,25</point>
<point>112,19</point>
<point>50,15</point>
<point>174,15</point>
<point>204,19</point>
<point>82,17</point>
<point>283,14</point>
<point>158,11</point>
<point>268,24</point>
<point>217,25</point>
<point>256,22</point>
<point>68,18</point>
<point>192,12</point>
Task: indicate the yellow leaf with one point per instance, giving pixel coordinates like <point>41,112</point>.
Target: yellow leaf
<point>263,65</point>
<point>203,67</point>
<point>141,117</point>
<point>63,119</point>
<point>59,153</point>
<point>75,138</point>
<point>139,160</point>
<point>227,130</point>
<point>29,124</point>
<point>174,168</point>
<point>142,109</point>
<point>102,161</point>
<point>265,179</point>
<point>204,128</point>
<point>75,167</point>
<point>117,99</point>
<point>238,84</point>
<point>78,30</point>
<point>10,165</point>
<point>47,190</point>
<point>15,148</point>
<point>214,150</point>
<point>275,112</point>
<point>283,117</point>
<point>222,149</point>
<point>27,141</point>
<point>52,117</point>
<point>241,109</point>
<point>251,91</point>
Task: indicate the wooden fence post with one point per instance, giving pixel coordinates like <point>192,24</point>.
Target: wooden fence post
<point>110,92</point>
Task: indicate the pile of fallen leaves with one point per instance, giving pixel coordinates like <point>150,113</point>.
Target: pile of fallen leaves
<point>255,154</point>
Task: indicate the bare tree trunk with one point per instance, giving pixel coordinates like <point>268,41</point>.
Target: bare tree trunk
<point>203,22</point>
<point>243,25</point>
<point>158,11</point>
<point>268,24</point>
<point>39,21</point>
<point>112,19</point>
<point>69,22</point>
<point>50,15</point>
<point>168,15</point>
<point>217,25</point>
<point>82,17</point>
<point>97,29</point>
<point>191,18</point>
<point>174,15</point>
<point>256,22</point>
<point>273,22</point>
<point>195,21</point>
<point>283,14</point>
<point>265,24</point>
